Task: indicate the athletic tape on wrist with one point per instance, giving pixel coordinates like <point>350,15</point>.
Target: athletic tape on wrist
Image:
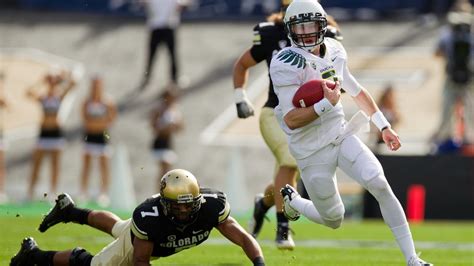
<point>380,121</point>
<point>239,95</point>
<point>322,107</point>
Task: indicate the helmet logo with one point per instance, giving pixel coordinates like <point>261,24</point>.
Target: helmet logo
<point>185,198</point>
<point>163,184</point>
<point>305,16</point>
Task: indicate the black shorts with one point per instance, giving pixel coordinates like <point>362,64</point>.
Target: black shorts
<point>96,138</point>
<point>49,133</point>
<point>161,143</point>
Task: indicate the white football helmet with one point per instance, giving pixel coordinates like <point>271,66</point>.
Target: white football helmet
<point>306,23</point>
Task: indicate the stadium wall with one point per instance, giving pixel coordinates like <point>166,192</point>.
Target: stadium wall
<point>448,182</point>
<point>209,9</point>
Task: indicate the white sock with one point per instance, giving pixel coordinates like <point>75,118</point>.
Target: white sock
<point>306,208</point>
<point>395,218</point>
<point>405,241</point>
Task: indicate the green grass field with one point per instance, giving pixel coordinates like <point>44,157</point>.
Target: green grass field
<point>355,243</point>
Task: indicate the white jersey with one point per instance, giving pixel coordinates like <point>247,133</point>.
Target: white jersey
<point>290,69</point>
<point>163,14</point>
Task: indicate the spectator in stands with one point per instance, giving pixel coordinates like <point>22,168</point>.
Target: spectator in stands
<point>387,105</point>
<point>98,114</point>
<point>166,120</point>
<point>163,19</point>
<point>51,139</point>
<point>456,47</point>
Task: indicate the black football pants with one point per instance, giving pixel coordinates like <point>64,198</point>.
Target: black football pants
<point>157,37</point>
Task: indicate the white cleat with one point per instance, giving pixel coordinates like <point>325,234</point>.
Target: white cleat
<point>289,193</point>
<point>416,261</point>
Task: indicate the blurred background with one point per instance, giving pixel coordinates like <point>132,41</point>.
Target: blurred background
<point>391,44</point>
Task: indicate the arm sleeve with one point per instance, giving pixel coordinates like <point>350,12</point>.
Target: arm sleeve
<point>349,83</point>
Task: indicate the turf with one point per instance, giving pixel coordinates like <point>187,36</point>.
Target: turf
<point>355,243</point>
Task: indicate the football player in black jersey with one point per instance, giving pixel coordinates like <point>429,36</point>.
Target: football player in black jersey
<point>182,216</point>
<point>269,38</point>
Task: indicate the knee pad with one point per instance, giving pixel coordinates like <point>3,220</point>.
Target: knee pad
<point>378,186</point>
<point>80,257</point>
<point>334,216</point>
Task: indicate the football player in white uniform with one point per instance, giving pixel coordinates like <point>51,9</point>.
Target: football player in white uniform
<point>320,138</point>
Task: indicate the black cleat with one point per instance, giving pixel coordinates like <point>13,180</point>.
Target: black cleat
<point>22,257</point>
<point>58,214</point>
<point>256,222</point>
<point>284,240</point>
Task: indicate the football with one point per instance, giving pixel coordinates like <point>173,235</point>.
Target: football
<point>311,92</point>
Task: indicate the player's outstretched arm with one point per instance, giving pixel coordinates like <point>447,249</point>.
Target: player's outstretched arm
<point>142,250</point>
<point>365,102</point>
<point>240,75</point>
<point>235,233</point>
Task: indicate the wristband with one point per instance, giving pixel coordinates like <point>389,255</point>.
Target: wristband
<point>258,261</point>
<point>322,107</point>
<point>239,95</point>
<point>380,121</point>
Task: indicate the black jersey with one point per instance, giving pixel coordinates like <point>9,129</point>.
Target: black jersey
<point>149,223</point>
<point>269,38</point>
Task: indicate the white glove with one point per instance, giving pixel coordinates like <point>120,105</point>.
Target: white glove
<point>243,104</point>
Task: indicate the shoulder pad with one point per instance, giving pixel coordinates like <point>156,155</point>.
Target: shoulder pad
<point>264,31</point>
<point>218,199</point>
<point>141,225</point>
<point>286,68</point>
<point>333,32</point>
<point>262,25</point>
<point>291,57</point>
<point>335,48</point>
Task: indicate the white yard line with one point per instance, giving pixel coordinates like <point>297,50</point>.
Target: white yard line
<point>212,134</point>
<point>343,243</point>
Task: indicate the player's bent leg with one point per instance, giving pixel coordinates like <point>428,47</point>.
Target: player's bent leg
<point>259,210</point>
<point>104,221</point>
<point>320,182</point>
<point>120,227</point>
<point>286,173</point>
<point>361,164</point>
<point>80,257</point>
<point>120,251</point>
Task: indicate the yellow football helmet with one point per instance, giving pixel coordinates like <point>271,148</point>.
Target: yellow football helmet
<point>180,196</point>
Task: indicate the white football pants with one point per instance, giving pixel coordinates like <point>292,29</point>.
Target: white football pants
<point>318,172</point>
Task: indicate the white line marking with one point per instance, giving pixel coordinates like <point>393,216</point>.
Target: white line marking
<point>211,135</point>
<point>343,243</point>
